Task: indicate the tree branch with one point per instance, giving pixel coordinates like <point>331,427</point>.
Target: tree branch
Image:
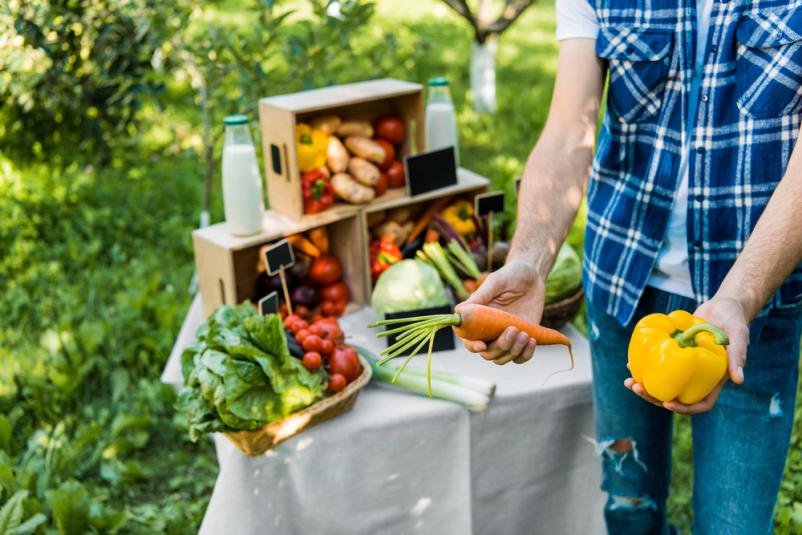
<point>512,10</point>
<point>462,9</point>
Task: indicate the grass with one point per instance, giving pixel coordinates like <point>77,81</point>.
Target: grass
<point>93,285</point>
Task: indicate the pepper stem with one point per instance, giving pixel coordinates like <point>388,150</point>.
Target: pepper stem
<point>686,338</point>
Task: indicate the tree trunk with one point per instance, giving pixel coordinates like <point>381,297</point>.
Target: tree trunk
<point>483,75</point>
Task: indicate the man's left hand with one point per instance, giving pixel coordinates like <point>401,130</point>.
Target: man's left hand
<point>728,314</point>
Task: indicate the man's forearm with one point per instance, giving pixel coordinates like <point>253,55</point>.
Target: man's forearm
<point>551,190</point>
<point>775,247</point>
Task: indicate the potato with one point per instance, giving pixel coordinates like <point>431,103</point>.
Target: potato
<point>350,190</point>
<point>326,123</point>
<point>336,156</point>
<point>365,172</point>
<point>389,230</point>
<point>365,148</point>
<point>401,214</point>
<point>355,128</point>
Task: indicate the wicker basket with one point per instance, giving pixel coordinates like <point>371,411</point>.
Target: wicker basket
<point>557,314</point>
<point>261,440</point>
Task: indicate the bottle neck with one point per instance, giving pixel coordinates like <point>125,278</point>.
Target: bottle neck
<point>439,94</point>
<point>238,135</point>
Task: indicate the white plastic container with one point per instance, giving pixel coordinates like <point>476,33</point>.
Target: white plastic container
<point>242,183</point>
<point>441,121</point>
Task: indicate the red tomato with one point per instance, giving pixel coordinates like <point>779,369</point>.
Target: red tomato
<point>312,343</point>
<point>298,325</point>
<point>289,320</point>
<point>316,329</point>
<point>301,335</point>
<point>336,383</point>
<point>329,308</point>
<point>316,317</point>
<point>389,153</point>
<point>340,308</point>
<point>325,270</point>
<point>335,292</point>
<point>381,185</point>
<point>345,361</point>
<point>326,347</point>
<point>312,360</point>
<point>301,311</point>
<point>390,127</point>
<point>332,331</point>
<point>396,177</point>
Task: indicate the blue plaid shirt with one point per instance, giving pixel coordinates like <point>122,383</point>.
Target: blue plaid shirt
<point>744,131</point>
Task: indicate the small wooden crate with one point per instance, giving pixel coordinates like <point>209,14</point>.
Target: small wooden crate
<point>279,115</point>
<point>227,264</point>
<point>468,183</point>
<point>259,441</point>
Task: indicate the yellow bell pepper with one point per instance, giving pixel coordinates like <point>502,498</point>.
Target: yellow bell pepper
<point>312,145</point>
<point>458,215</point>
<point>677,356</point>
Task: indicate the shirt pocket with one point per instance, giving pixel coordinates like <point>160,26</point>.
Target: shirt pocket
<point>638,61</point>
<point>769,63</point>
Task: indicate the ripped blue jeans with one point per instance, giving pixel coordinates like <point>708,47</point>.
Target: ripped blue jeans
<point>739,447</point>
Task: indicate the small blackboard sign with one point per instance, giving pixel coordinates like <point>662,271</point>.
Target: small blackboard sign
<point>489,203</point>
<point>430,171</point>
<point>443,340</point>
<point>277,256</point>
<point>269,304</point>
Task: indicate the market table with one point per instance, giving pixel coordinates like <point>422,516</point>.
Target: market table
<point>403,463</point>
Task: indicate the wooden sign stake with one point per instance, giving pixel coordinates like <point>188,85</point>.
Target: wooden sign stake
<point>490,242</point>
<point>283,278</point>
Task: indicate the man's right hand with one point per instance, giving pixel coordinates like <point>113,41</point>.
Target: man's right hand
<point>518,289</point>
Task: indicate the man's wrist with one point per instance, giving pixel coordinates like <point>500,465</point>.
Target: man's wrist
<point>539,259</point>
<point>742,293</point>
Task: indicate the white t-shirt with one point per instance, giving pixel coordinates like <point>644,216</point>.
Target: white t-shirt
<point>576,19</point>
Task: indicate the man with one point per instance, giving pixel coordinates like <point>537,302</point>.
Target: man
<point>695,203</point>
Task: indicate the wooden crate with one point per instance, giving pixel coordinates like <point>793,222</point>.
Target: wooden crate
<point>279,115</point>
<point>227,264</point>
<point>468,183</point>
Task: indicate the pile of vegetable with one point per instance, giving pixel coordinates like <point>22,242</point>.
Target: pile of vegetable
<point>239,374</point>
<point>352,160</point>
<point>315,281</point>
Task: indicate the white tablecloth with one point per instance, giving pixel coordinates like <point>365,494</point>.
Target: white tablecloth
<point>400,463</point>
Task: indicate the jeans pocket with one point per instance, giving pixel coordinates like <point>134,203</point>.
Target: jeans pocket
<point>769,63</point>
<point>638,60</point>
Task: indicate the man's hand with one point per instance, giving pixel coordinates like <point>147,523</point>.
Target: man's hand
<point>728,314</point>
<point>520,290</point>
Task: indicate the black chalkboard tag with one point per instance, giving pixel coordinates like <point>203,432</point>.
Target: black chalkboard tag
<point>517,185</point>
<point>489,203</point>
<point>430,171</point>
<point>269,304</point>
<point>443,340</point>
<point>279,256</point>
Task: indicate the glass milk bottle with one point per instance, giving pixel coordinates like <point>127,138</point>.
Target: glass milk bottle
<point>441,122</point>
<point>242,184</point>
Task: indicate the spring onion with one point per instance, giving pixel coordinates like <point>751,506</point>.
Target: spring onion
<point>441,385</point>
<point>437,256</point>
<point>461,258</point>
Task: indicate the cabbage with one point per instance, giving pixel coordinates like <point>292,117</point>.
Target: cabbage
<point>408,285</point>
<point>565,277</point>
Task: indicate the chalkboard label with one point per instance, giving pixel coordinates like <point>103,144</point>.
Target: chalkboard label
<point>487,203</point>
<point>430,171</point>
<point>269,304</point>
<point>277,256</point>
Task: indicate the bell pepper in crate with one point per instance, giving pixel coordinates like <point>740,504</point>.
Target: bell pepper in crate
<point>311,147</point>
<point>677,356</point>
<point>317,191</point>
<point>458,215</point>
<point>383,254</point>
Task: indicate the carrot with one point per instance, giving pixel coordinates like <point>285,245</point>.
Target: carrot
<point>471,322</point>
<point>431,235</point>
<point>424,220</point>
<point>303,245</point>
<point>470,285</point>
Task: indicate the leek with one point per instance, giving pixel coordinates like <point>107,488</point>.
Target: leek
<point>434,251</point>
<point>463,259</point>
<point>442,386</point>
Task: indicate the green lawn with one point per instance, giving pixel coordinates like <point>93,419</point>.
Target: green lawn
<point>94,275</point>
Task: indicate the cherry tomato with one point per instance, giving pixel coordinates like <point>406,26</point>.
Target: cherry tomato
<point>389,153</point>
<point>312,360</point>
<point>395,175</point>
<point>302,311</point>
<point>333,332</point>
<point>340,308</point>
<point>326,347</point>
<point>316,318</point>
<point>336,383</point>
<point>289,320</point>
<point>298,325</point>
<point>329,308</point>
<point>344,361</point>
<point>302,335</point>
<point>390,127</point>
<point>316,329</point>
<point>335,292</point>
<point>312,343</point>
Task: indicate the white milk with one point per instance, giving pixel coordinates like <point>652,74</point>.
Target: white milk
<point>441,121</point>
<point>242,189</point>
